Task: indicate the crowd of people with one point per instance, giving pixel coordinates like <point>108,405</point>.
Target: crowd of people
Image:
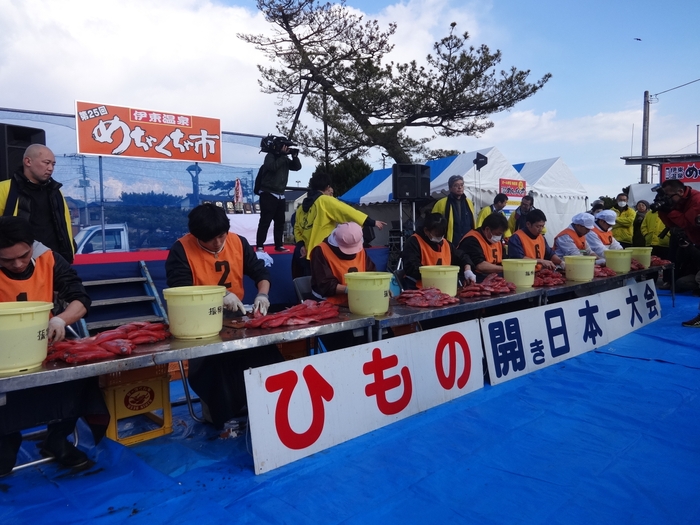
<point>36,248</point>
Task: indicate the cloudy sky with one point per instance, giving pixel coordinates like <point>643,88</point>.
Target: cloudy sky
<point>183,56</point>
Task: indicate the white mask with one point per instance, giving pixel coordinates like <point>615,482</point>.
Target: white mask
<point>621,204</point>
<point>436,240</point>
<point>496,238</point>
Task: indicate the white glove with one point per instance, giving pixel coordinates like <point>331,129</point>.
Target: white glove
<point>562,265</point>
<point>265,258</point>
<point>261,303</point>
<point>469,276</point>
<point>57,329</point>
<point>231,302</point>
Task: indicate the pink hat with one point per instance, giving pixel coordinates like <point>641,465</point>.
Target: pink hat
<point>347,237</point>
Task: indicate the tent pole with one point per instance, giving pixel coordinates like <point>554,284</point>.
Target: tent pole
<point>401,224</point>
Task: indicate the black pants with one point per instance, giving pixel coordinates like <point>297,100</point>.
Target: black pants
<point>271,209</point>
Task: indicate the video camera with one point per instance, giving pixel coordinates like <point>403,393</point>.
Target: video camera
<point>274,144</point>
<point>662,202</point>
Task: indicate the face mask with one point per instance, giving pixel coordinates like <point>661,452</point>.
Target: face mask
<point>496,238</point>
<point>621,204</point>
<point>436,240</point>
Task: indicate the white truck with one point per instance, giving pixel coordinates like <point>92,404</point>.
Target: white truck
<point>89,240</point>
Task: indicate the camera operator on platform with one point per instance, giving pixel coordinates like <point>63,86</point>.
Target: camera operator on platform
<point>679,207</point>
<point>273,182</point>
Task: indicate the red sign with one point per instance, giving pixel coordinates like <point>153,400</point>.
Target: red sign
<point>682,171</point>
<point>130,132</point>
<point>512,187</point>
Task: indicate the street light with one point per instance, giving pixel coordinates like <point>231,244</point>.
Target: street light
<point>194,170</point>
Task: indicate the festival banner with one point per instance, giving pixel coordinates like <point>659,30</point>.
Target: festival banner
<point>134,132</point>
<point>686,172</point>
<point>515,189</point>
<point>303,406</point>
<point>521,342</point>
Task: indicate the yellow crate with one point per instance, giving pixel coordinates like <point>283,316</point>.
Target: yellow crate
<point>137,392</point>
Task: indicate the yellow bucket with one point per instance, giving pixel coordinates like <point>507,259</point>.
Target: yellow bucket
<point>24,335</point>
<point>520,272</point>
<point>579,268</point>
<point>195,312</point>
<point>368,292</point>
<point>618,260</point>
<point>444,278</point>
<point>642,254</point>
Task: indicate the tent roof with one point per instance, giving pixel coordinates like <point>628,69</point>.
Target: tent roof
<point>551,177</point>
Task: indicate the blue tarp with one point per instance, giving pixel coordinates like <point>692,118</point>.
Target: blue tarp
<point>610,436</point>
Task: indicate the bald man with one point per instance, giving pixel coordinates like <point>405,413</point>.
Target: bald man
<point>32,194</point>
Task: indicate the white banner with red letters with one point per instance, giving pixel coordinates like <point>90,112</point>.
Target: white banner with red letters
<point>522,342</point>
<point>303,406</point>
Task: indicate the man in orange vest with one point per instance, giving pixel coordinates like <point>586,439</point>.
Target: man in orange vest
<point>428,247</point>
<point>484,246</point>
<point>29,271</point>
<point>572,240</point>
<point>529,243</point>
<point>600,238</point>
<point>339,253</point>
<point>211,255</point>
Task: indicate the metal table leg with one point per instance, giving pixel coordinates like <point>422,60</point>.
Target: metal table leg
<point>187,394</point>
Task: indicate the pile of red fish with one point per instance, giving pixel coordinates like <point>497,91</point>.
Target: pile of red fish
<point>118,341</point>
<point>658,261</point>
<point>547,277</point>
<point>603,271</point>
<point>492,285</point>
<point>636,265</point>
<point>304,313</point>
<point>425,298</point>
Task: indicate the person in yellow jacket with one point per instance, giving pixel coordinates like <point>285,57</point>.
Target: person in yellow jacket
<point>624,225</point>
<point>457,209</point>
<point>320,213</point>
<point>652,229</point>
<point>32,194</point>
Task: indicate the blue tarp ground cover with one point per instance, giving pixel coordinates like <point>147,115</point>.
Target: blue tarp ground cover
<point>608,437</point>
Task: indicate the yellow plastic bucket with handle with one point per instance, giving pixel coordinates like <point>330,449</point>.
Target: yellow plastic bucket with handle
<point>642,254</point>
<point>24,326</point>
<point>444,278</point>
<point>579,268</point>
<point>620,261</point>
<point>368,292</point>
<point>520,272</point>
<point>195,312</point>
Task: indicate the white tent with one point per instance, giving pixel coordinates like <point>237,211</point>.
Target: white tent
<point>480,186</point>
<point>556,190</point>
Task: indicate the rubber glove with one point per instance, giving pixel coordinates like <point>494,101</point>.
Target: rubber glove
<point>261,303</point>
<point>265,258</point>
<point>57,329</point>
<point>231,302</point>
<point>469,276</point>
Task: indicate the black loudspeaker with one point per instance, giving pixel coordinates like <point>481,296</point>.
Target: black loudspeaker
<point>13,141</point>
<point>410,182</point>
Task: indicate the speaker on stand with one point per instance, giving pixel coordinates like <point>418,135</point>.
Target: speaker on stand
<point>13,141</point>
<point>409,182</point>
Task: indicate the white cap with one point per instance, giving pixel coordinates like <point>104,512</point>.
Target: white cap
<point>608,216</point>
<point>584,219</point>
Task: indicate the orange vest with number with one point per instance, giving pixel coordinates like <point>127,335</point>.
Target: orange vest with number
<point>339,267</point>
<point>39,287</point>
<point>223,269</point>
<point>493,253</point>
<point>532,248</point>
<point>429,257</point>
<point>605,237</point>
<point>579,241</point>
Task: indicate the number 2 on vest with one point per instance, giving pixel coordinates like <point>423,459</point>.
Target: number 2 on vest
<point>223,266</point>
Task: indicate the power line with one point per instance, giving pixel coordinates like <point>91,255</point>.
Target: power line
<point>682,85</point>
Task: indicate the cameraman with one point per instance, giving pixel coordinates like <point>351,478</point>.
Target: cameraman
<point>273,182</point>
<point>681,209</point>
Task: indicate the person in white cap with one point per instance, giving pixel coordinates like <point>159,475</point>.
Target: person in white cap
<point>600,238</point>
<point>572,240</point>
<point>339,253</point>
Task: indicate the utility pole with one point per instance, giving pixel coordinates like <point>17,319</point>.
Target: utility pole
<point>645,137</point>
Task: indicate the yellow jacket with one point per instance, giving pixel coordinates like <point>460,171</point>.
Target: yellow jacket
<point>441,208</point>
<point>652,226</point>
<point>624,226</point>
<point>485,212</point>
<point>321,219</point>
